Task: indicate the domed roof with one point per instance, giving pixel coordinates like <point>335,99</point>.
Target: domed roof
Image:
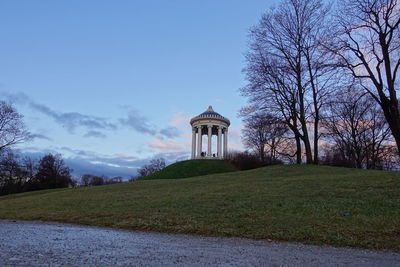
<point>210,111</point>
<point>210,114</point>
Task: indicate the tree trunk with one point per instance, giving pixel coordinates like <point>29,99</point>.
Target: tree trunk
<point>298,151</point>
<point>315,104</point>
<point>302,116</point>
<point>316,138</point>
<point>394,124</point>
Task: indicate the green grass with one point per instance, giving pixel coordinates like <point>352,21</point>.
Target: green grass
<point>191,168</point>
<point>290,203</point>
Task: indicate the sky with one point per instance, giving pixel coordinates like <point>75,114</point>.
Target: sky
<point>111,85</point>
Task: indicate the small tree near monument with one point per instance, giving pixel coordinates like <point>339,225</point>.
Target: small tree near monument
<point>155,165</point>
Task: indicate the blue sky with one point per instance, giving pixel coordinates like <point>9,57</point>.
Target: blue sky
<point>112,84</point>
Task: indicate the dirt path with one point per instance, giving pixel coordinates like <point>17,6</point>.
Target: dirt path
<point>54,244</point>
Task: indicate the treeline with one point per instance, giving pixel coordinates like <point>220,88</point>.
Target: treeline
<point>22,174</point>
<point>323,83</point>
<point>94,180</point>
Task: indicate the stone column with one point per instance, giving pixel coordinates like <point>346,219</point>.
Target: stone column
<point>193,143</point>
<point>219,142</point>
<point>225,142</point>
<point>209,140</point>
<point>199,144</point>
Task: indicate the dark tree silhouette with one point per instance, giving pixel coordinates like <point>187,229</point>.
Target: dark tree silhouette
<point>12,175</point>
<point>15,172</point>
<point>52,173</point>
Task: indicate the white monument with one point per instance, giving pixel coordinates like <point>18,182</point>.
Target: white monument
<point>209,123</point>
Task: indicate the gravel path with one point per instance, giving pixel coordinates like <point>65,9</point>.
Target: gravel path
<point>54,244</point>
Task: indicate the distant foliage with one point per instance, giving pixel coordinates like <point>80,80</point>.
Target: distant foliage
<point>155,165</point>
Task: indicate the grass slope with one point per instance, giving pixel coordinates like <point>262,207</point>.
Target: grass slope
<point>191,168</point>
<point>292,203</point>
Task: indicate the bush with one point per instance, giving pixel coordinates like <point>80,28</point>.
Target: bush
<point>246,160</point>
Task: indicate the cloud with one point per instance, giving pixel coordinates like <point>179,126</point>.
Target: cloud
<point>139,123</point>
<point>180,120</point>
<point>95,126</point>
<point>72,120</point>
<point>159,144</point>
<point>235,139</point>
<point>125,156</point>
<point>81,166</point>
<point>95,134</point>
<point>18,98</point>
<point>40,136</point>
<point>175,138</point>
<point>170,132</point>
<point>89,162</point>
<point>68,120</point>
<point>125,166</point>
<point>118,159</point>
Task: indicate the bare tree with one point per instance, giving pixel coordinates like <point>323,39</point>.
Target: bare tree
<point>264,133</point>
<point>368,45</point>
<point>155,165</point>
<point>12,128</point>
<point>288,71</point>
<point>357,130</point>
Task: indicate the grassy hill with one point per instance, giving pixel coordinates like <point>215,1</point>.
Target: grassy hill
<point>191,168</point>
<point>309,204</point>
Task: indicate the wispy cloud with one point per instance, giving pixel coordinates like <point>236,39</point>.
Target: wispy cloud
<point>68,120</point>
<point>72,120</point>
<point>161,145</point>
<point>90,162</point>
<point>180,120</point>
<point>170,132</point>
<point>40,136</point>
<point>96,126</point>
<point>139,123</point>
<point>175,138</point>
<point>95,134</point>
